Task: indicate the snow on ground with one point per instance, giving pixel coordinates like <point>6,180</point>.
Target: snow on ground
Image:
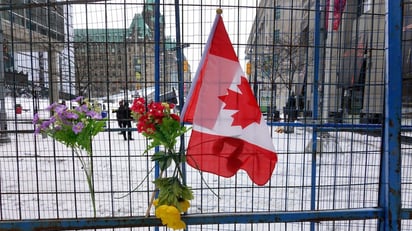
<point>40,178</point>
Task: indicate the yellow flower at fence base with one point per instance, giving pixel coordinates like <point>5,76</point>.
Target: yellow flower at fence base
<point>184,205</point>
<point>170,216</point>
<point>156,202</point>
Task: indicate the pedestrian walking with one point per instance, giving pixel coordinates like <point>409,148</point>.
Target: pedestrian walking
<point>119,115</point>
<point>125,115</point>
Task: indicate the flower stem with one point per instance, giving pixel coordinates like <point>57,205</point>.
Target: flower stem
<point>91,190</point>
<point>89,178</point>
<point>179,170</point>
<point>152,197</point>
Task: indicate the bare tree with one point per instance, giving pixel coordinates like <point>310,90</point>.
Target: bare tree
<point>286,63</point>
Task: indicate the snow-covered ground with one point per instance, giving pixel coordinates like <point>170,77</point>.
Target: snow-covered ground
<point>40,178</point>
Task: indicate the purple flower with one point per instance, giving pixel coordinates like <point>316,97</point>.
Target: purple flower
<point>82,108</point>
<point>78,127</point>
<point>94,115</point>
<point>37,130</point>
<point>52,119</point>
<point>45,124</point>
<point>36,118</point>
<point>59,109</point>
<point>78,99</point>
<point>52,106</point>
<point>67,115</point>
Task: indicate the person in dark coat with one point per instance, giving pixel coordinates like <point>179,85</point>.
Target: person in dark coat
<point>125,116</point>
<point>291,104</point>
<point>118,115</point>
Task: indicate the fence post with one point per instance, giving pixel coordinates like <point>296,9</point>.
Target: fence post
<point>318,69</point>
<point>390,188</point>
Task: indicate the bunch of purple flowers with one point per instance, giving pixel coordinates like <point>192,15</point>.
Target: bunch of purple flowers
<point>76,129</point>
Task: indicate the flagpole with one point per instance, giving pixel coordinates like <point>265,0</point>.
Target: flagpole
<point>179,57</point>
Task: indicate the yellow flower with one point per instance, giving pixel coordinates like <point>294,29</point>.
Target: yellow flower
<point>160,211</point>
<point>170,216</point>
<point>168,213</point>
<point>156,202</point>
<point>177,225</point>
<point>166,105</point>
<point>185,204</point>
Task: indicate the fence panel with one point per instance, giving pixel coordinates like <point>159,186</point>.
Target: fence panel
<point>317,68</point>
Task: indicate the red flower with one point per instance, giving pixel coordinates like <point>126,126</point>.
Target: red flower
<point>150,118</point>
<point>157,109</point>
<point>175,117</point>
<point>144,125</point>
<point>138,106</point>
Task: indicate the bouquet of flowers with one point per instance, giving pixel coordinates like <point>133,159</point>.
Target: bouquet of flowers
<point>162,127</point>
<point>74,128</point>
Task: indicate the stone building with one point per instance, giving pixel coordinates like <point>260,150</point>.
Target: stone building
<point>274,54</point>
<point>29,31</point>
<point>111,61</point>
<point>350,69</point>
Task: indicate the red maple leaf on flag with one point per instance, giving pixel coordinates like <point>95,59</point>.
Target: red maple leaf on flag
<point>244,102</point>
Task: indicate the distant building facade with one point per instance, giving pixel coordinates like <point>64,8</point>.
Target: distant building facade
<point>273,52</point>
<point>111,61</point>
<point>281,52</point>
<point>34,35</point>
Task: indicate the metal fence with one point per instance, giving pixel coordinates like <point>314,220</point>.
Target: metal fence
<point>332,78</point>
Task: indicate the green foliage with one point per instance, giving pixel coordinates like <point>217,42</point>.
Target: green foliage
<point>83,139</point>
<point>172,191</point>
<point>166,134</point>
<point>163,128</point>
<point>163,159</point>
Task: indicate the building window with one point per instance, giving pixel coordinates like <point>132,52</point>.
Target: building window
<point>277,12</point>
<point>367,6</point>
<point>364,6</point>
<point>276,35</point>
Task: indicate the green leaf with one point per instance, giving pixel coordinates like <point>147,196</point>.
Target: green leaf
<point>163,159</point>
<point>179,158</point>
<point>171,191</point>
<point>187,193</point>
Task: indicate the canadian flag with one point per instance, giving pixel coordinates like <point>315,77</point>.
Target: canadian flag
<point>229,132</point>
<point>338,8</point>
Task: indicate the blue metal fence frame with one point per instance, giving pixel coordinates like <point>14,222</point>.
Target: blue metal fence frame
<point>389,212</point>
<point>390,188</point>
